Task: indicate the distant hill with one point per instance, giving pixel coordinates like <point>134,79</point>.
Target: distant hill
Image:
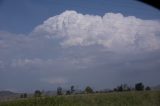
<point>5,93</point>
<point>156,87</point>
<point>8,95</point>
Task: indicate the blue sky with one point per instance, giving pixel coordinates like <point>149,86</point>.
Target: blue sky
<point>102,43</point>
<point>30,13</point>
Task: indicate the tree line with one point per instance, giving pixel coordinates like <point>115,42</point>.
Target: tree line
<point>88,90</point>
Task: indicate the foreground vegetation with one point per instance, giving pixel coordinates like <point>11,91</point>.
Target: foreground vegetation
<point>139,98</point>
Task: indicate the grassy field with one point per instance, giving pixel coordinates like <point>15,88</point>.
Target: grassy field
<point>144,98</point>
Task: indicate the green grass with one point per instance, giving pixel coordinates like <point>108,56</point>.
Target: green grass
<point>145,98</point>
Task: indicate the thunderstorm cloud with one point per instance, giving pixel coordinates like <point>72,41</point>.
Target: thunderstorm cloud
<point>83,49</point>
<point>113,31</point>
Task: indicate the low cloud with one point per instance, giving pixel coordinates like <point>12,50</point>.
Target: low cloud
<point>115,32</point>
<point>30,62</point>
<point>56,81</point>
<point>39,64</point>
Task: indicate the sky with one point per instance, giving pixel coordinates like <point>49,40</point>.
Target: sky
<point>101,43</point>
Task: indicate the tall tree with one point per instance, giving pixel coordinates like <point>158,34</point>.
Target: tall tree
<point>72,89</point>
<point>59,91</point>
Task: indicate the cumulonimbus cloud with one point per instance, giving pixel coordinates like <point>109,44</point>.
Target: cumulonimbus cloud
<point>113,31</point>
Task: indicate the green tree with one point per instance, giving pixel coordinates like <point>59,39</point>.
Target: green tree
<point>24,95</point>
<point>37,93</point>
<point>59,91</point>
<point>88,89</point>
<point>123,87</point>
<point>72,89</point>
<point>21,96</point>
<point>68,92</point>
<point>139,87</point>
<point>147,88</point>
<point>120,88</point>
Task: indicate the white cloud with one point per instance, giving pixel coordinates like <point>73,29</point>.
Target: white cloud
<point>36,62</point>
<point>10,40</point>
<point>26,62</point>
<point>113,31</point>
<point>50,64</point>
